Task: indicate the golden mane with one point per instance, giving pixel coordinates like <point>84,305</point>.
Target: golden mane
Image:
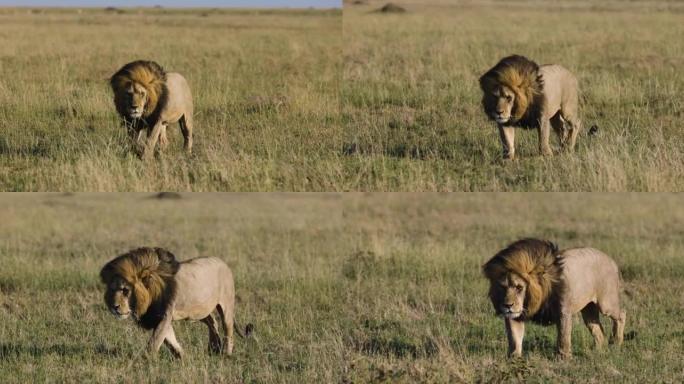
<point>521,75</point>
<point>146,73</point>
<point>536,262</point>
<point>150,272</point>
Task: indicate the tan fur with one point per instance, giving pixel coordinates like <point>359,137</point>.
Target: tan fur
<point>148,99</point>
<point>532,280</point>
<point>155,288</point>
<point>519,93</point>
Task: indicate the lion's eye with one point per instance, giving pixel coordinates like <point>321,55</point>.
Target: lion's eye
<point>509,97</point>
<point>519,288</point>
<point>125,291</point>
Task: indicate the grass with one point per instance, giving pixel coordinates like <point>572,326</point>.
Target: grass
<point>411,97</point>
<point>282,249</point>
<point>265,85</point>
<point>363,288</point>
<point>419,302</point>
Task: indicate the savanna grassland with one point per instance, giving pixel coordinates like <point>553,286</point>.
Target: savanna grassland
<point>265,86</point>
<point>411,99</point>
<point>419,302</point>
<point>283,250</point>
<point>352,288</point>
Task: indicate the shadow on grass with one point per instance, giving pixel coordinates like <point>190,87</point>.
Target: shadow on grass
<point>11,350</point>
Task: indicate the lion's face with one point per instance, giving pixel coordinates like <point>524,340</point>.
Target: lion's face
<point>136,99</point>
<point>118,297</point>
<point>508,295</point>
<point>499,103</point>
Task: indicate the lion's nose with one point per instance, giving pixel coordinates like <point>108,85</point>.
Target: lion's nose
<point>508,306</point>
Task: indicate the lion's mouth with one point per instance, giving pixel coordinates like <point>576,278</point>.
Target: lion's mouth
<point>119,315</point>
<point>501,120</point>
<point>507,313</point>
<point>135,113</point>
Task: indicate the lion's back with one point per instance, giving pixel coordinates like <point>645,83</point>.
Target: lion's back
<point>202,284</point>
<point>589,273</point>
<point>559,85</point>
<point>179,98</point>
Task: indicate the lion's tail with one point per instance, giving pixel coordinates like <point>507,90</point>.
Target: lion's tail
<point>249,329</point>
<point>583,101</point>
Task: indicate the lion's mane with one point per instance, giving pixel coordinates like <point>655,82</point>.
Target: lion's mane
<point>151,274</point>
<point>522,76</point>
<point>536,262</point>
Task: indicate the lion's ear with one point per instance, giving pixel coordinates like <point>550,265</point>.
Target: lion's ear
<point>142,299</point>
<point>486,83</point>
<point>106,274</point>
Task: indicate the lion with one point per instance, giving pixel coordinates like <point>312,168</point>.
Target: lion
<point>532,280</point>
<point>154,288</point>
<point>149,99</point>
<point>519,93</point>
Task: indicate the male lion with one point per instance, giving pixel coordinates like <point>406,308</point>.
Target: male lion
<point>519,93</point>
<point>532,280</point>
<point>148,99</point>
<point>153,287</point>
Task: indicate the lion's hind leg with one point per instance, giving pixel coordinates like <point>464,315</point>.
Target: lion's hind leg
<point>214,338</point>
<point>186,124</point>
<point>590,314</point>
<point>558,126</point>
<point>572,123</point>
<point>610,306</point>
<point>228,324</point>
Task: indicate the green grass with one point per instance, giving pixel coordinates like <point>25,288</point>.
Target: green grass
<point>341,288</point>
<point>411,98</point>
<point>265,86</point>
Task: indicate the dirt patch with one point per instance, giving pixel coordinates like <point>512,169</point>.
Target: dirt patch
<point>392,8</point>
<point>168,196</point>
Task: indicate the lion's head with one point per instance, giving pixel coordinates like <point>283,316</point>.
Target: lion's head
<point>140,283</point>
<point>139,89</point>
<point>523,277</point>
<point>510,89</point>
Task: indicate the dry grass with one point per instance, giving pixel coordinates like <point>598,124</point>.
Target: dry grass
<point>265,86</point>
<point>411,96</point>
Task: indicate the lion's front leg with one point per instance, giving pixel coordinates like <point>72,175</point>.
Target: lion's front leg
<point>173,345</point>
<point>544,133</point>
<point>564,335</point>
<point>515,331</point>
<point>152,138</point>
<point>507,136</point>
<point>159,334</point>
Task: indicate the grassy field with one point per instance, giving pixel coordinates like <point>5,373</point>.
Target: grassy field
<point>283,250</point>
<point>347,288</point>
<point>265,84</point>
<point>419,302</point>
<point>411,101</point>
